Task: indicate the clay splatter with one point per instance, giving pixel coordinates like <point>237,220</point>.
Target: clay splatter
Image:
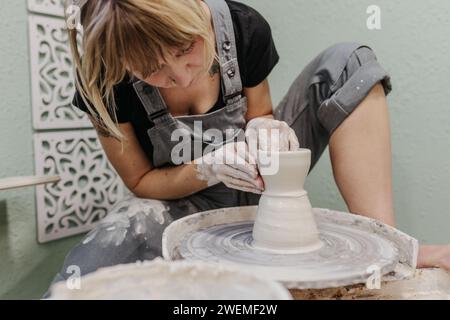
<point>132,215</point>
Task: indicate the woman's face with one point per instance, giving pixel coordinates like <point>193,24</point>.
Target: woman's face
<point>182,69</point>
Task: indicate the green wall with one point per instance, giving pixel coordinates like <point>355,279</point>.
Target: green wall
<point>26,268</point>
<point>412,45</point>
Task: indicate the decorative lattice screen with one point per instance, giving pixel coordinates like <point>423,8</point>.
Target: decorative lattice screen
<point>64,142</point>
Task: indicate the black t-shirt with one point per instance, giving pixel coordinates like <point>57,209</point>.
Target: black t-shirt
<point>257,56</point>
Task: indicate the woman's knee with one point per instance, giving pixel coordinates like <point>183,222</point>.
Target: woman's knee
<point>348,58</point>
<point>356,74</point>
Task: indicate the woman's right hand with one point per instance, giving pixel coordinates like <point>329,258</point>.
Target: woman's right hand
<point>231,164</point>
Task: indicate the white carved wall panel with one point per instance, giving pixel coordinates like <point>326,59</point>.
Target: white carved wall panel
<point>88,188</point>
<point>64,142</point>
<point>52,76</point>
<point>51,7</point>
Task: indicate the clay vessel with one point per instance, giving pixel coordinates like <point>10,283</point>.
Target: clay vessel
<point>284,220</point>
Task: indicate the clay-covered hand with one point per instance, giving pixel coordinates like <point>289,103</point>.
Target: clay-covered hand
<point>231,164</point>
<point>270,134</point>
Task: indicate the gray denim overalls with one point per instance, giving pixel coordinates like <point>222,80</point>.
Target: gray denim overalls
<point>327,90</point>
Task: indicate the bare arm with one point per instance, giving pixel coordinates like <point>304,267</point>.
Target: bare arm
<point>259,101</point>
<point>140,177</point>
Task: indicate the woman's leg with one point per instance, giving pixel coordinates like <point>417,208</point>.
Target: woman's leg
<point>340,99</point>
<point>360,152</point>
<point>329,89</point>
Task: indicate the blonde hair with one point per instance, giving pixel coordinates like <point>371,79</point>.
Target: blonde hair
<point>137,34</point>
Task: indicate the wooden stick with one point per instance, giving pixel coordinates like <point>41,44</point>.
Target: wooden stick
<point>19,182</point>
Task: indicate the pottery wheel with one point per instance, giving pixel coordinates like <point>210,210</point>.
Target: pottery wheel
<point>349,247</point>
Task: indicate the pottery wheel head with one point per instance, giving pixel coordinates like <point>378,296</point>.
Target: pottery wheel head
<point>345,257</point>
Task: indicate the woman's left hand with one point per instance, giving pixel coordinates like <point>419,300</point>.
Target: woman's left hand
<point>270,134</point>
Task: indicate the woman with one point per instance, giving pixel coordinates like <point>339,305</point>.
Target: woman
<point>151,67</point>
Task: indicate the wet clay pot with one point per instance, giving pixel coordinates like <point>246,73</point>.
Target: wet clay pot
<point>284,220</point>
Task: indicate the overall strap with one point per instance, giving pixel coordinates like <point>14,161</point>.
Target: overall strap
<point>226,49</point>
<point>151,100</point>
